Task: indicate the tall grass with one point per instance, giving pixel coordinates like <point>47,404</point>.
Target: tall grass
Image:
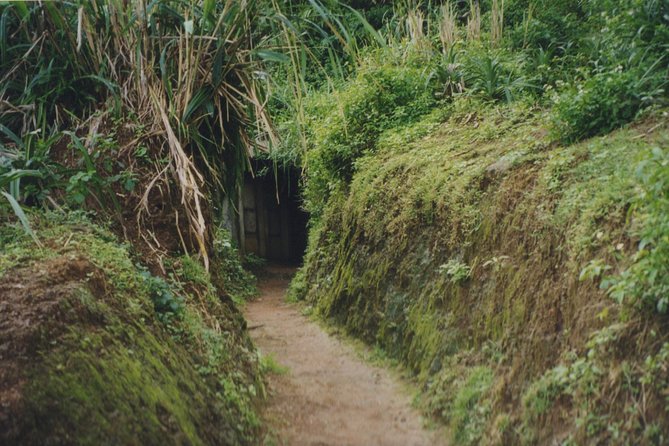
<point>496,22</point>
<point>448,27</point>
<point>474,21</point>
<point>415,21</point>
<point>188,71</point>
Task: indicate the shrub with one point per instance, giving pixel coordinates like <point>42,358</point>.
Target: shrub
<point>544,23</point>
<point>604,102</point>
<point>378,99</point>
<point>346,125</point>
<point>646,281</point>
<point>238,283</point>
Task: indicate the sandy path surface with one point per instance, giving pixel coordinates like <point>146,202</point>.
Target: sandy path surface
<point>329,396</point>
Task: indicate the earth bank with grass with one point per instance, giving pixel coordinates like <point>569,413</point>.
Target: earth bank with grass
<point>98,350</point>
<point>487,184</point>
<point>472,248</point>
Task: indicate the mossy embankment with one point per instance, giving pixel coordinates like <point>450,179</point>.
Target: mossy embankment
<point>458,247</point>
<point>97,350</point>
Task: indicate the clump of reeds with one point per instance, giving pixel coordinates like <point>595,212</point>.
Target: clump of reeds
<point>415,22</point>
<point>474,21</point>
<point>496,22</point>
<point>186,72</point>
<point>448,27</point>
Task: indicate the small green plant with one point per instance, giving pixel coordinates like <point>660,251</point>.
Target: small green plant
<point>253,262</point>
<point>593,270</point>
<point>298,287</point>
<point>447,77</point>
<point>488,77</point>
<point>166,303</point>
<point>471,409</point>
<point>238,283</point>
<point>269,364</point>
<point>542,393</point>
<point>10,179</point>
<point>457,271</point>
<point>496,263</point>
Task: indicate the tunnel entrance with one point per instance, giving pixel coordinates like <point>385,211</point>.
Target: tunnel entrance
<point>272,224</point>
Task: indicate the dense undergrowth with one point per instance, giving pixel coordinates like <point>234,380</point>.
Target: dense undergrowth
<point>487,185</point>
<point>458,249</point>
<point>98,350</point>
<point>141,114</point>
<point>480,230</point>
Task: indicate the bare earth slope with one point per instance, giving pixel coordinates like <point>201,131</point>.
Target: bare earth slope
<point>329,396</point>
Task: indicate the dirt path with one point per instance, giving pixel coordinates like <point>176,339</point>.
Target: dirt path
<point>329,396</point>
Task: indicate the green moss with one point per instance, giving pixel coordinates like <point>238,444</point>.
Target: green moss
<point>110,391</point>
<point>484,187</point>
<point>106,370</point>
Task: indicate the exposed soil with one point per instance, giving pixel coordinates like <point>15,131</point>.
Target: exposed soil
<point>329,396</point>
<point>33,312</point>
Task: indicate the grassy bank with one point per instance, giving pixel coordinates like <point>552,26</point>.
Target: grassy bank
<point>98,350</point>
<point>471,247</point>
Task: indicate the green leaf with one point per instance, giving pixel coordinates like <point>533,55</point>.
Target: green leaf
<point>369,28</point>
<point>111,86</point>
<point>15,174</point>
<point>199,99</point>
<point>272,56</point>
<point>188,26</point>
<point>129,184</point>
<point>21,216</point>
<point>11,135</point>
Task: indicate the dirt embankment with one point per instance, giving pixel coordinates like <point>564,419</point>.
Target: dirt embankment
<point>87,358</point>
<point>474,256</point>
<point>329,396</point>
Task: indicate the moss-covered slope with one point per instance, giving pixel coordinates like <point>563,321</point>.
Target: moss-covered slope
<point>96,351</point>
<point>458,248</point>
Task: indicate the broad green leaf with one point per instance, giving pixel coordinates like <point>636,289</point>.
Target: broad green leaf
<point>21,216</point>
<point>272,56</point>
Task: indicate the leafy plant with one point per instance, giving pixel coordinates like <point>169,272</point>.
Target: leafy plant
<point>488,77</point>
<point>646,281</point>
<point>238,283</point>
<point>447,77</point>
<point>593,270</point>
<point>269,364</point>
<point>10,180</point>
<point>168,305</point>
<point>605,101</point>
<point>457,271</point>
<point>470,407</point>
<point>187,70</point>
<point>253,262</point>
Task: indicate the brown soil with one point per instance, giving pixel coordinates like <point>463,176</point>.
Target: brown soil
<point>33,312</point>
<point>329,396</point>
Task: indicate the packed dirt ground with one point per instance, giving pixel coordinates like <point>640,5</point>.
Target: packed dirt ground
<point>328,395</point>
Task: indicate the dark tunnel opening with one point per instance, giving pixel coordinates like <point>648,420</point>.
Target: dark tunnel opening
<point>272,223</point>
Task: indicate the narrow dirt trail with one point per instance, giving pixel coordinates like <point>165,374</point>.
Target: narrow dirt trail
<point>329,396</point>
